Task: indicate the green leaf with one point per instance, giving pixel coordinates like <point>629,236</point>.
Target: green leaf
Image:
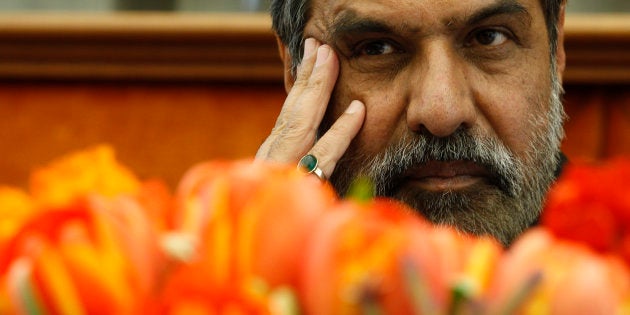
<point>461,297</point>
<point>361,190</point>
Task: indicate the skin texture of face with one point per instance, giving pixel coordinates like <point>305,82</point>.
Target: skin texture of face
<point>463,119</point>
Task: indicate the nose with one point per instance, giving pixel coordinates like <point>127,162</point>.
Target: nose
<point>441,100</point>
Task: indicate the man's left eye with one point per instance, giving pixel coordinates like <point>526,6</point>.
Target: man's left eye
<point>490,37</point>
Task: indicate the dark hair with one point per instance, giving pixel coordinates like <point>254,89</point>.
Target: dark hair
<point>290,16</point>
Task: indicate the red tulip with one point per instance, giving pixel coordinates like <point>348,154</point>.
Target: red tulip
<point>85,258</point>
<point>571,279</point>
<point>242,236</point>
<point>192,289</point>
<point>87,245</point>
<point>92,171</point>
<point>590,204</point>
<point>250,223</point>
<point>380,256</point>
<point>254,215</point>
<point>16,208</point>
<point>351,262</point>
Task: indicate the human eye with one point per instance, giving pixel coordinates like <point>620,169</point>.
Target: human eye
<point>488,38</point>
<point>375,48</point>
<point>377,55</point>
<point>491,44</point>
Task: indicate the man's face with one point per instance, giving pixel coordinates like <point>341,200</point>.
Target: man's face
<point>463,121</point>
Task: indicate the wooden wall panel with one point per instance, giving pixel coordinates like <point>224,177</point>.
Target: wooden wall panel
<point>618,121</point>
<point>157,130</point>
<point>586,126</point>
<point>160,129</point>
<point>163,129</point>
<point>598,49</point>
<point>185,112</point>
<point>599,121</point>
<point>229,46</point>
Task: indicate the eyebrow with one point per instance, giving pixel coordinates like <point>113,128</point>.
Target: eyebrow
<point>351,22</point>
<point>502,7</point>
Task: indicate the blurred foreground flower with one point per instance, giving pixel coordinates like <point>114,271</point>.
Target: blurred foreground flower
<point>248,224</point>
<point>380,258</point>
<point>591,205</point>
<point>87,245</point>
<point>242,237</point>
<point>559,277</point>
<point>93,171</point>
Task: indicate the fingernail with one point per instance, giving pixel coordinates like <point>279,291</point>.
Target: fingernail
<point>309,47</point>
<point>323,52</point>
<point>354,107</point>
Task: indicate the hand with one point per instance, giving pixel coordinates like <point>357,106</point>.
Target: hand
<point>295,132</point>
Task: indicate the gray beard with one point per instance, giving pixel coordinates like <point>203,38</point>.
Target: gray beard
<point>502,207</point>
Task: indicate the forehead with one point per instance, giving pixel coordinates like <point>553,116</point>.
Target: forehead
<point>410,14</point>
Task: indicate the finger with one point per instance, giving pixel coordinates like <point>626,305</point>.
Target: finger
<point>334,143</point>
<point>303,118</point>
<point>304,70</point>
<point>315,97</point>
<point>265,152</point>
<point>311,92</point>
<point>296,127</point>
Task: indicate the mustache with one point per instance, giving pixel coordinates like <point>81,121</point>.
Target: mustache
<point>412,150</point>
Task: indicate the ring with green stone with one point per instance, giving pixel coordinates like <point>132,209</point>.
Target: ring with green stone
<point>308,164</point>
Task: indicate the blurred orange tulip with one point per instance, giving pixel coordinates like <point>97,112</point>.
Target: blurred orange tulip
<point>244,237</point>
<point>68,261</point>
<point>572,279</point>
<point>91,171</point>
<point>16,207</point>
<point>248,223</point>
<point>83,243</point>
<point>380,257</point>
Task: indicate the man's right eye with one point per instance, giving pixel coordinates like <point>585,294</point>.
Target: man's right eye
<point>375,48</point>
<point>376,55</point>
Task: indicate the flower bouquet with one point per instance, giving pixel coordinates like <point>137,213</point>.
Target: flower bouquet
<point>241,237</point>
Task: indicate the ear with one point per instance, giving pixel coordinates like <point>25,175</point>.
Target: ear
<point>561,57</point>
<point>287,62</point>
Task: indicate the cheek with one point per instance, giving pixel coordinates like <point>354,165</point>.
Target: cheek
<point>511,105</point>
<point>385,104</point>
